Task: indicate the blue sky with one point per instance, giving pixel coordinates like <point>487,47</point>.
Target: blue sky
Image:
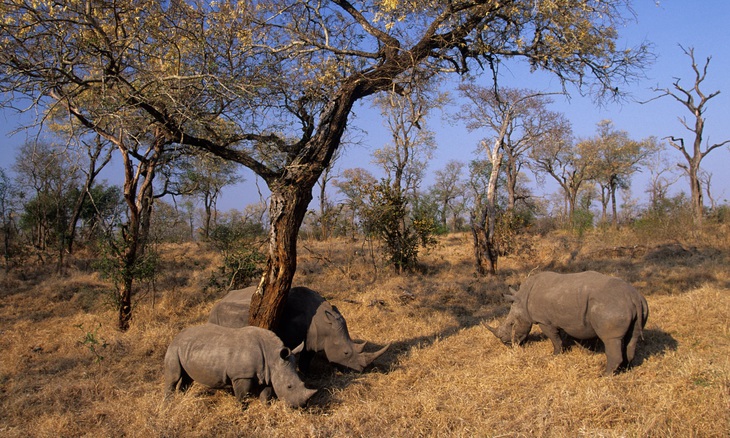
<point>665,24</point>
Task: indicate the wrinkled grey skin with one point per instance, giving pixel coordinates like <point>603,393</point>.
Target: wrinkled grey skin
<point>307,318</point>
<point>248,359</point>
<point>583,306</point>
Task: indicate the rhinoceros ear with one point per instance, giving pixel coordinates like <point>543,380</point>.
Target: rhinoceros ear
<point>331,317</point>
<point>510,296</point>
<point>284,353</point>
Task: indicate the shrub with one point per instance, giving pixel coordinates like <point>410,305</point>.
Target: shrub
<point>239,242</point>
<point>402,231</point>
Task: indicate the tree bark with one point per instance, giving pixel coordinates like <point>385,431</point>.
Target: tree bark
<point>614,214</point>
<point>484,230</point>
<point>288,205</point>
<point>696,189</point>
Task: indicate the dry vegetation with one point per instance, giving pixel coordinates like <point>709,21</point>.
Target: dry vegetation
<point>444,375</point>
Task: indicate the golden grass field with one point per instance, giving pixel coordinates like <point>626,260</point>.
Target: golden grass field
<point>444,374</point>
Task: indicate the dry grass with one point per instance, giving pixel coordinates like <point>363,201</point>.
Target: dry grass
<point>444,375</point>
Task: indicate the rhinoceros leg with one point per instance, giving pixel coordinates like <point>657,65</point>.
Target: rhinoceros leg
<point>175,376</point>
<point>554,335</point>
<point>614,355</point>
<point>631,345</point>
<point>267,393</point>
<point>242,387</point>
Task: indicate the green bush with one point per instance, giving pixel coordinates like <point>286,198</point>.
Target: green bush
<point>403,232</point>
<point>239,243</point>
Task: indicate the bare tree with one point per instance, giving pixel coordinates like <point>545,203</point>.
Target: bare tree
<point>695,101</point>
<point>405,159</point>
<point>518,119</point>
<point>271,84</point>
<point>44,167</point>
<point>661,176</point>
<point>327,211</point>
<point>354,184</point>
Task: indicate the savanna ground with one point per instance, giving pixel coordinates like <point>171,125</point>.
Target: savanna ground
<point>66,371</point>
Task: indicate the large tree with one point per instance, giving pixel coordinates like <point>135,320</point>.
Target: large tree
<point>695,100</point>
<point>270,84</point>
<point>404,161</point>
<point>516,119</point>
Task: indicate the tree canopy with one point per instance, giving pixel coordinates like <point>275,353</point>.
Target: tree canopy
<point>270,84</point>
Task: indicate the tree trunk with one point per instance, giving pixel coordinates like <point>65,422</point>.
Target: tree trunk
<point>324,221</point>
<point>208,216</point>
<point>478,235</point>
<point>511,173</point>
<point>485,252</point>
<point>614,214</point>
<point>485,228</point>
<point>125,293</point>
<point>139,199</point>
<point>288,205</point>
<point>605,199</point>
<point>696,187</point>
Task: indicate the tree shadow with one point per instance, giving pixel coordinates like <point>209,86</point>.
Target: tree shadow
<point>331,378</point>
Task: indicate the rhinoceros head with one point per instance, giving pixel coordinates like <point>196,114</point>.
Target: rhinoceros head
<point>286,382</point>
<point>328,332</point>
<point>517,325</point>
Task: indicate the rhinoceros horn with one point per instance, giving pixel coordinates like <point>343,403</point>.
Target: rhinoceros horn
<point>491,329</point>
<point>359,348</point>
<point>366,359</point>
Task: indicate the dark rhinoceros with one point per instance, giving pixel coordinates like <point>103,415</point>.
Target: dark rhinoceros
<point>583,306</point>
<point>248,359</point>
<point>307,318</point>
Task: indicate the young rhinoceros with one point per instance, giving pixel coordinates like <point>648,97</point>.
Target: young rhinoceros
<point>307,318</point>
<point>248,359</point>
<point>585,305</point>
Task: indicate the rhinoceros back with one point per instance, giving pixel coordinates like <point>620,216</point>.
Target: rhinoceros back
<point>232,310</point>
<point>578,303</point>
<point>210,353</point>
<point>299,310</point>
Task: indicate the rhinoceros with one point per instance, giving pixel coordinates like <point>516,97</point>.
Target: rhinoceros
<point>583,306</point>
<point>307,318</point>
<point>248,359</point>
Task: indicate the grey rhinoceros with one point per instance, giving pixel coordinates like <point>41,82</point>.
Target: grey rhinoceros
<point>583,306</point>
<point>307,318</point>
<point>248,359</point>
